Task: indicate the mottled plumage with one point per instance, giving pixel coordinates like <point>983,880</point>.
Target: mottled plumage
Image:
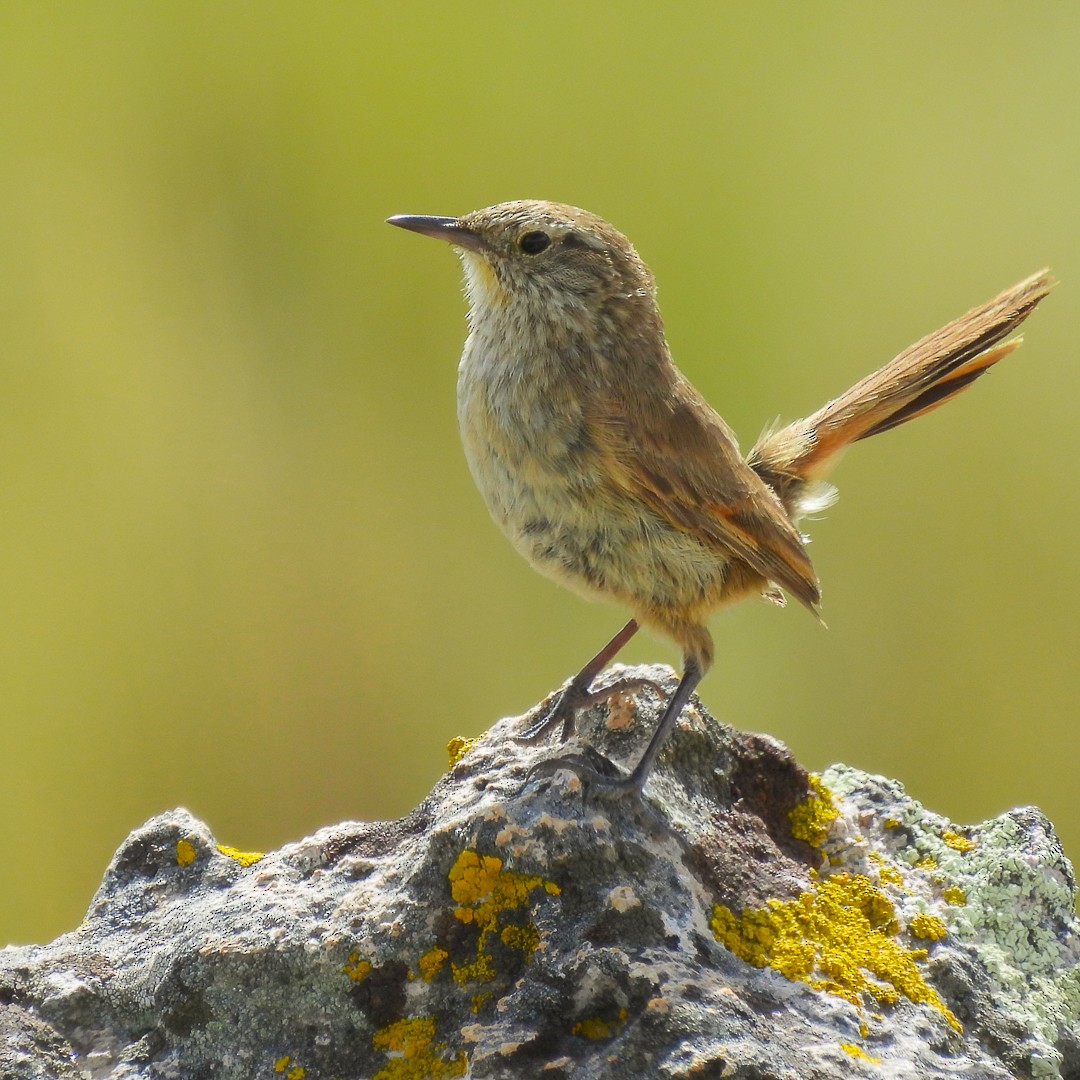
<point>605,467</point>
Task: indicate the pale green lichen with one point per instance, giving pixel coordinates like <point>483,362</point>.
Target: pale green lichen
<point>1011,893</point>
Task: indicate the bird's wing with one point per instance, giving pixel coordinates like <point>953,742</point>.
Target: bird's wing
<point>675,454</point>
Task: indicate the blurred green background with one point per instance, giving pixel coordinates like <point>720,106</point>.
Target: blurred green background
<point>242,564</point>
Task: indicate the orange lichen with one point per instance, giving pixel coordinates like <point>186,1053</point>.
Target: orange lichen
<point>887,873</point>
<point>414,1053</point>
<point>431,963</point>
<point>523,938</point>
<point>297,1072</point>
<point>484,891</point>
<point>356,968</point>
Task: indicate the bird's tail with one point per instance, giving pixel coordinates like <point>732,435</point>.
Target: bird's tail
<point>794,459</point>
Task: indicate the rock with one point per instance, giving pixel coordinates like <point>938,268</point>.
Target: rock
<point>760,923</point>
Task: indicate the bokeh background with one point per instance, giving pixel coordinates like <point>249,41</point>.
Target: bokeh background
<point>242,564</point>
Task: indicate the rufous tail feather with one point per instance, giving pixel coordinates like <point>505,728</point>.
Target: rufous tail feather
<point>921,378</point>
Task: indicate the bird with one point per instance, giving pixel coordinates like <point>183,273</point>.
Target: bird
<point>610,473</point>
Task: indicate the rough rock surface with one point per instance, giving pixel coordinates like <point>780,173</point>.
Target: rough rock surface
<point>763,923</point>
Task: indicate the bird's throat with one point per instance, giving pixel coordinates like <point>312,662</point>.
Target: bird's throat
<point>481,281</point>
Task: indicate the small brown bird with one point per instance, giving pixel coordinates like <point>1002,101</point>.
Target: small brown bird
<point>610,473</point>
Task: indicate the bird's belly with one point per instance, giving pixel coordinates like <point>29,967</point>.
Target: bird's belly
<point>543,482</point>
<point>628,559</point>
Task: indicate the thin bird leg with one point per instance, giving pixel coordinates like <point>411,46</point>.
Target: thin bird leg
<point>634,783</point>
<point>578,695</point>
<point>691,677</point>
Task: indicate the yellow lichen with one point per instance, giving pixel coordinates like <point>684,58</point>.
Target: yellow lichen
<point>282,1064</point>
<point>244,858</point>
<point>890,823</point>
<point>957,842</point>
<point>185,853</point>
<point>356,968</point>
<point>483,891</point>
<point>478,1001</point>
<point>297,1072</point>
<point>481,968</point>
<point>482,887</point>
<point>416,1055</point>
<point>523,938</point>
<point>927,927</point>
<point>928,862</point>
<point>457,748</point>
<point>431,962</point>
<point>813,817</point>
<point>595,1027</point>
<point>592,1028</point>
<point>954,895</point>
<point>859,1052</point>
<point>887,873</point>
<point>839,938</point>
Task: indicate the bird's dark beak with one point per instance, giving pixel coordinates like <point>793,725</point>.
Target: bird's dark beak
<point>442,228</point>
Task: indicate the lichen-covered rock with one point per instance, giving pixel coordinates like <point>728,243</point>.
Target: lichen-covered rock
<point>761,923</point>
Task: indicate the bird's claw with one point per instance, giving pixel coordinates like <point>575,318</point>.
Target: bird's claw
<point>590,770</point>
<point>607,783</point>
<point>572,700</point>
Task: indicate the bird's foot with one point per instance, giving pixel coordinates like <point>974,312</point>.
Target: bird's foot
<point>564,707</point>
<point>593,770</point>
<point>600,778</point>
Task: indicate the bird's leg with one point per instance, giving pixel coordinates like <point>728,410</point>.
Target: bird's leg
<point>578,696</point>
<point>691,677</point>
<point>634,783</point>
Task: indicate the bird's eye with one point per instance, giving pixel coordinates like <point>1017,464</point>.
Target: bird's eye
<point>532,243</point>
